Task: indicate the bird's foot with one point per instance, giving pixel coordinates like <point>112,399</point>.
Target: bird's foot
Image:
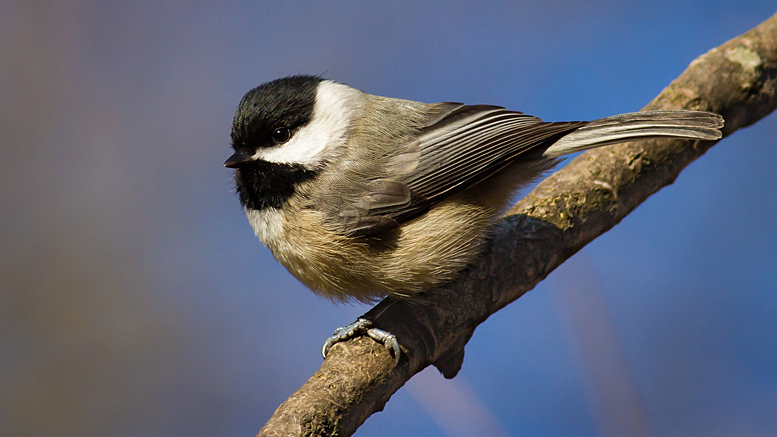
<point>361,327</point>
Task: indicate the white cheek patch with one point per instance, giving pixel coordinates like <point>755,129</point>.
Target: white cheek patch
<point>325,131</point>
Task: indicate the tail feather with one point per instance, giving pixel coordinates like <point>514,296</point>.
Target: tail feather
<point>696,125</point>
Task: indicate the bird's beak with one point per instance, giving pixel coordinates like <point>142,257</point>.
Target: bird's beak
<point>237,159</point>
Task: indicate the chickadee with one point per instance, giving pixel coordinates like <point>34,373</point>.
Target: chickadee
<point>361,196</point>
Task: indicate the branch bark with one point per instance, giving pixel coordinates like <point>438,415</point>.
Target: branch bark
<point>565,212</point>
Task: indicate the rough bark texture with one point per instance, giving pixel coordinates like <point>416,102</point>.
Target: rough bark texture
<point>565,212</point>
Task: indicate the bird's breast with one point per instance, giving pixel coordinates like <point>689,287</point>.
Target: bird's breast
<point>267,224</point>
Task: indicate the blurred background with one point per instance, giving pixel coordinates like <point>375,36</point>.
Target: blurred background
<point>135,300</point>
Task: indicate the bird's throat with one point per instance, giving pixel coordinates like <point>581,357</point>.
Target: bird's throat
<point>263,184</point>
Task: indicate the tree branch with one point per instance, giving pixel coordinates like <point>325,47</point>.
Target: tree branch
<point>565,212</point>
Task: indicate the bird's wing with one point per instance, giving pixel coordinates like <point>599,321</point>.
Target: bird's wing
<point>473,142</point>
<point>456,147</point>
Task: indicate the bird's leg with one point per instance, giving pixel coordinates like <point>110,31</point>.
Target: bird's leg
<point>361,327</point>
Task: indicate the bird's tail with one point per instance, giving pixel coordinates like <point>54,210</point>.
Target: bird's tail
<point>696,125</point>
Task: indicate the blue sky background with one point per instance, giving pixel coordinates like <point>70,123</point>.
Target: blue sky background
<point>134,299</point>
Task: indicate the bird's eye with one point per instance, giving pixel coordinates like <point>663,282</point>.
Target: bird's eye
<point>281,135</point>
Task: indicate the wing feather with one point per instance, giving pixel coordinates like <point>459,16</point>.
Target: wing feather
<point>463,153</point>
<point>456,147</point>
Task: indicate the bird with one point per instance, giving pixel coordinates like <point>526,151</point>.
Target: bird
<point>362,197</point>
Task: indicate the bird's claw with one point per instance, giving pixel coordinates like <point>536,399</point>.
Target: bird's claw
<point>361,327</point>
<point>388,340</point>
